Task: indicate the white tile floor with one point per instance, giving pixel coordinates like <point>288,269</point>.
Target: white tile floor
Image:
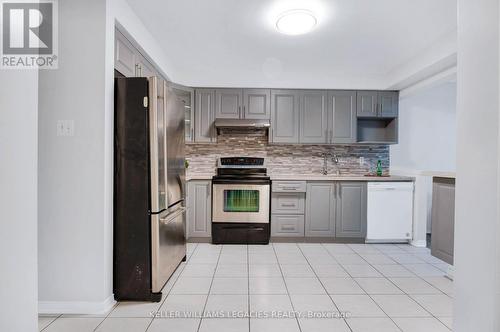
<point>378,287</point>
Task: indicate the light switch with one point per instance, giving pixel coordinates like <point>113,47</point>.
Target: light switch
<point>65,127</point>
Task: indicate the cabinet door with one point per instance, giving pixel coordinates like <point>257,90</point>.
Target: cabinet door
<point>443,219</point>
<point>342,117</point>
<point>125,56</point>
<point>287,225</point>
<point>228,103</point>
<point>145,68</point>
<point>313,117</point>
<point>199,209</point>
<point>320,209</point>
<point>257,104</point>
<point>367,104</point>
<point>204,116</point>
<point>351,210</point>
<point>284,116</point>
<point>388,104</point>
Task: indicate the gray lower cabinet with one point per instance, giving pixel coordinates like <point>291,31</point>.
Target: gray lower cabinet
<point>443,219</point>
<point>287,225</point>
<point>284,116</point>
<point>199,208</point>
<point>350,218</point>
<point>204,116</point>
<point>313,116</point>
<point>342,121</point>
<point>320,209</point>
<point>287,203</point>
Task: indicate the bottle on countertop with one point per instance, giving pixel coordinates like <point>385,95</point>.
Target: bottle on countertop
<point>379,167</point>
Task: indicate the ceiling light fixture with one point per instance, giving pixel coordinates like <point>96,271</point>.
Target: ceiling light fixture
<point>296,22</point>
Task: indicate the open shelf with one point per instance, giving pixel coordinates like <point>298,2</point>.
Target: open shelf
<point>377,130</point>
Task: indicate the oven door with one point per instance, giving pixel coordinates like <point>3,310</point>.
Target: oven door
<point>241,203</point>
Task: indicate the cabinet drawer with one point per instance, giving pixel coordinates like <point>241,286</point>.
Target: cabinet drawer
<point>287,225</point>
<point>288,203</point>
<point>289,186</point>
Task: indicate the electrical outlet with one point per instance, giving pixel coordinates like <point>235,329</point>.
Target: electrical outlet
<point>65,127</point>
<point>361,161</point>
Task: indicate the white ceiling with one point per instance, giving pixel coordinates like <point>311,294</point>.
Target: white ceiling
<point>357,43</point>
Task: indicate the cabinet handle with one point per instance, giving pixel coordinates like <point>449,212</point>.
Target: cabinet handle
<point>288,205</point>
<point>192,134</point>
<point>239,112</point>
<point>326,136</point>
<point>289,188</point>
<point>331,135</point>
<point>287,228</point>
<point>244,110</point>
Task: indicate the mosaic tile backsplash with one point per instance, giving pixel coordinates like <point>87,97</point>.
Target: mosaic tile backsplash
<point>284,159</point>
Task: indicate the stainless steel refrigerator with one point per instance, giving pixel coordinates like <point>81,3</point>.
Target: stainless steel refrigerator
<point>149,182</point>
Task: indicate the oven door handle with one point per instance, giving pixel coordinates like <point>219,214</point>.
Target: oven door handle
<point>251,182</point>
<point>253,228</point>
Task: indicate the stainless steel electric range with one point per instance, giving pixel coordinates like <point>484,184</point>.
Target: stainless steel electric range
<point>241,202</point>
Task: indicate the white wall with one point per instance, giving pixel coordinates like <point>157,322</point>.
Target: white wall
<point>477,216</point>
<point>76,173</point>
<point>72,244</point>
<point>427,143</point>
<point>427,130</point>
<point>18,200</point>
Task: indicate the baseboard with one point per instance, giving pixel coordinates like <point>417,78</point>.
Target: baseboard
<point>419,243</point>
<point>450,273</point>
<point>76,307</point>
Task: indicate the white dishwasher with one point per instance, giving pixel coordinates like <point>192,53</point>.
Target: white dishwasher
<point>389,212</point>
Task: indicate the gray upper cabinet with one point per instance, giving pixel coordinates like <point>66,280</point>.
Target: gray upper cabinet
<point>129,61</point>
<point>388,101</point>
<point>256,104</point>
<point>199,209</point>
<point>367,102</point>
<point>228,103</point>
<point>243,104</point>
<point>350,217</point>
<point>125,56</point>
<point>342,121</point>
<point>204,116</point>
<point>320,209</point>
<point>377,104</point>
<point>144,68</point>
<point>313,117</point>
<point>284,116</point>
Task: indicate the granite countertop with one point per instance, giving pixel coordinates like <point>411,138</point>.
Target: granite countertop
<point>319,177</point>
<point>314,177</point>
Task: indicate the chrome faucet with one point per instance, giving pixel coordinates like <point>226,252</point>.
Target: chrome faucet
<point>335,160</point>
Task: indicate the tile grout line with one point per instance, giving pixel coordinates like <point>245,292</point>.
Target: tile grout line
<point>173,284</point>
<point>370,296</point>
<point>209,289</point>
<point>322,285</point>
<point>248,290</point>
<point>408,295</point>
<point>286,287</point>
<point>57,317</point>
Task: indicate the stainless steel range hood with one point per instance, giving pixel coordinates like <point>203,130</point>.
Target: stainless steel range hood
<point>242,123</point>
